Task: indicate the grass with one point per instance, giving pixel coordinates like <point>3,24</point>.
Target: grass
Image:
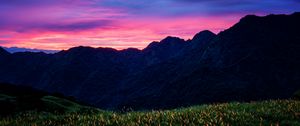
<point>59,104</point>
<point>276,112</point>
<point>6,97</point>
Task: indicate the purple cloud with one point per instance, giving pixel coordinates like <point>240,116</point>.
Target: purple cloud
<point>47,23</point>
<point>88,14</point>
<point>69,27</point>
<point>79,25</point>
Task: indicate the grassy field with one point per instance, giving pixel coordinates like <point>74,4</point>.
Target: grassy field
<point>276,112</point>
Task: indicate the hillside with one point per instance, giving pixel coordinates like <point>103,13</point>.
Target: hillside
<point>256,59</point>
<point>18,99</point>
<point>278,112</point>
<point>26,106</point>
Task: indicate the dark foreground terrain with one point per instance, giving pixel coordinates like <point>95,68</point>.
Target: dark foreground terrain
<point>276,112</point>
<point>22,106</point>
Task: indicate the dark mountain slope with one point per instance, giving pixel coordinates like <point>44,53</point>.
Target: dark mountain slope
<point>167,48</point>
<point>255,59</point>
<point>79,71</point>
<point>3,52</point>
<point>149,82</point>
<point>23,68</point>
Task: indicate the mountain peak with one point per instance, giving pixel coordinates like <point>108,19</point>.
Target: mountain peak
<point>88,48</point>
<point>255,18</point>
<point>167,42</point>
<point>131,50</point>
<point>202,38</point>
<point>171,39</point>
<point>203,34</point>
<point>248,18</point>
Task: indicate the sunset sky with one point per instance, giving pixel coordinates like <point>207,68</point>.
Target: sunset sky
<point>61,24</point>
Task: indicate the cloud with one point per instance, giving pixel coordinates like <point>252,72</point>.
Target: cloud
<point>37,2</point>
<point>240,7</point>
<point>3,41</point>
<point>120,23</point>
<point>218,2</point>
<point>77,26</point>
<point>23,27</point>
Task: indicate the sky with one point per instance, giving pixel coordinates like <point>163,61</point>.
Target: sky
<point>120,24</point>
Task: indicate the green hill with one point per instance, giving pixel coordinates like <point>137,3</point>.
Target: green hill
<point>17,99</point>
<point>275,112</point>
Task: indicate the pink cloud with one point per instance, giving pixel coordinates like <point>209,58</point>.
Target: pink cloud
<point>61,24</point>
<point>126,33</point>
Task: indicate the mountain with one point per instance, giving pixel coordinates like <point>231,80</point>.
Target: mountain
<point>17,49</point>
<point>165,49</point>
<point>257,58</point>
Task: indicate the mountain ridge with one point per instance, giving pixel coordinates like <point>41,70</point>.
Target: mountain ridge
<point>18,49</point>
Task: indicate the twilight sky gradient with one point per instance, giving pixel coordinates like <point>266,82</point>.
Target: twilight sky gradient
<point>61,24</point>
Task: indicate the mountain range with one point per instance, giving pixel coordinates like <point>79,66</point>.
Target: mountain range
<point>18,49</point>
<point>257,58</point>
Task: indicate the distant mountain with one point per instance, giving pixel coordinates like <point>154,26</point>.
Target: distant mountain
<point>257,58</point>
<point>17,49</point>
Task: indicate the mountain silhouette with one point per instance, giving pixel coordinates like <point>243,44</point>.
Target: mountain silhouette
<point>17,49</point>
<point>3,52</point>
<point>257,58</point>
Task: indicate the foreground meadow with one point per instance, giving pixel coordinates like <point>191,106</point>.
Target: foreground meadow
<point>276,112</point>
